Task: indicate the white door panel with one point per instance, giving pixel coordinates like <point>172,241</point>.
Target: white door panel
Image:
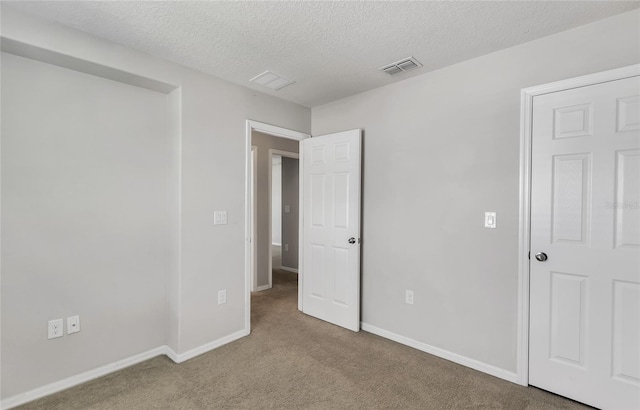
<point>331,197</point>
<point>585,215</point>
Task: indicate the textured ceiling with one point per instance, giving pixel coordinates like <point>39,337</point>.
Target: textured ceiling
<point>331,49</point>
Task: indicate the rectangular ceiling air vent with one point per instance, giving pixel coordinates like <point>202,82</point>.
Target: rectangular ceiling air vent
<point>400,66</point>
<point>271,80</point>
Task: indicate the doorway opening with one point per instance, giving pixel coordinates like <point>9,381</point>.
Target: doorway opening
<point>263,143</point>
<point>284,211</point>
<point>272,219</point>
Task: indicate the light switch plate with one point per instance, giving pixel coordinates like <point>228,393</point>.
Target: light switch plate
<point>220,218</point>
<point>490,220</point>
<point>287,209</point>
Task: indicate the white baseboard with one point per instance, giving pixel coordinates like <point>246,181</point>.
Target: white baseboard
<point>445,354</point>
<point>190,354</point>
<point>171,354</point>
<point>64,384</point>
<point>288,269</point>
<point>263,287</point>
<point>69,382</point>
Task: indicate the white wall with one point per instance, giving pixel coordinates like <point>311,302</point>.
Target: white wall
<point>85,221</point>
<point>441,149</point>
<point>276,200</point>
<point>206,170</point>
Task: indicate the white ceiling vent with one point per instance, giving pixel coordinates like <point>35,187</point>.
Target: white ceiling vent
<point>271,80</point>
<point>400,66</point>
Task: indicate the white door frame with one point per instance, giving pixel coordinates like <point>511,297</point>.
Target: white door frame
<point>248,217</point>
<point>252,209</point>
<point>526,116</point>
<point>286,154</point>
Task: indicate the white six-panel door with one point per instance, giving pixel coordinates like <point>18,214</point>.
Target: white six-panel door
<point>331,228</point>
<point>585,216</point>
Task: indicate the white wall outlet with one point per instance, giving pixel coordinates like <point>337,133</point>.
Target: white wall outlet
<point>490,220</point>
<point>73,324</point>
<point>220,218</point>
<point>287,209</point>
<point>408,297</point>
<point>286,247</point>
<point>55,328</point>
<point>222,296</point>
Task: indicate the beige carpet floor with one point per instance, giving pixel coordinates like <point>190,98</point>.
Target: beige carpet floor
<point>293,361</point>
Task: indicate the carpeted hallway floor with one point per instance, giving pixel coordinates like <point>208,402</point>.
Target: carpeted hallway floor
<point>293,361</point>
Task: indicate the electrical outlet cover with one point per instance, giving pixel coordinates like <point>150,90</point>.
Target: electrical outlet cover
<point>408,297</point>
<point>55,329</point>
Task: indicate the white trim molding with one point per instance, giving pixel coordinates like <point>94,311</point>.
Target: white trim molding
<point>254,212</point>
<point>526,117</point>
<point>444,354</point>
<point>190,354</point>
<point>84,377</point>
<point>288,269</point>
<point>275,130</point>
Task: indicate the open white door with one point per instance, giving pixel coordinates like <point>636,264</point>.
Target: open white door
<point>585,244</point>
<point>331,228</point>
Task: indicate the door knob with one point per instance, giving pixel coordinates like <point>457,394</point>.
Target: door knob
<point>352,240</point>
<point>541,256</point>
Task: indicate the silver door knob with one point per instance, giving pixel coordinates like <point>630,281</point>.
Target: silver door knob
<point>352,240</point>
<point>541,256</point>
